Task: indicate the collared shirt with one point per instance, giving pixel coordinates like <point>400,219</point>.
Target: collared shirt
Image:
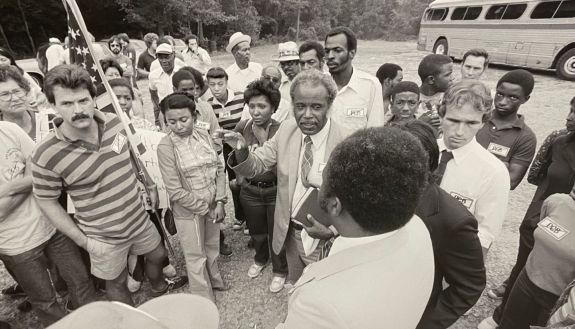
<point>99,179</point>
<point>514,142</point>
<point>481,183</point>
<point>145,60</point>
<point>162,81</point>
<point>342,243</point>
<point>359,104</point>
<point>201,60</point>
<point>239,79</point>
<point>314,177</point>
<point>232,112</point>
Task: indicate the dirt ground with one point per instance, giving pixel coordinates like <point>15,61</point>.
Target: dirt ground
<point>249,304</point>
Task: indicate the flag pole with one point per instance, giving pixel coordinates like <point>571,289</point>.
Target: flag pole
<point>132,142</point>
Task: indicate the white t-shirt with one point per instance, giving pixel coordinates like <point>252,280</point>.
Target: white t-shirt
<point>26,227</point>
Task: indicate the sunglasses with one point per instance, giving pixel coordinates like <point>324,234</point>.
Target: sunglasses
<point>272,79</point>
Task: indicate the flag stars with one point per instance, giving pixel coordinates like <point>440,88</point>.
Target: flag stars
<point>73,33</point>
<point>78,50</point>
<point>85,51</point>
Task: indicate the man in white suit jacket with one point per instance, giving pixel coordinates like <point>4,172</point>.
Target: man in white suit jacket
<point>312,94</point>
<point>379,272</point>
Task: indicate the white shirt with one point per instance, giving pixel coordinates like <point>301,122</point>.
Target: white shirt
<point>342,243</point>
<point>161,81</point>
<point>359,104</point>
<point>481,183</point>
<point>238,79</point>
<point>201,60</point>
<point>156,64</point>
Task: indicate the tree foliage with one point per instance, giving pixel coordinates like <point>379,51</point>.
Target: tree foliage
<point>217,19</point>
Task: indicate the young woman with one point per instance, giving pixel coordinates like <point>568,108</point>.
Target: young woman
<point>258,194</point>
<point>194,178</point>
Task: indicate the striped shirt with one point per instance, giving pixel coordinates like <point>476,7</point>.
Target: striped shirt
<point>230,113</point>
<point>99,179</point>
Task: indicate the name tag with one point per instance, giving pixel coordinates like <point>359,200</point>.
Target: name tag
<point>552,228</point>
<point>202,125</point>
<point>356,112</point>
<point>498,149</point>
<point>467,202</point>
<point>321,167</point>
<point>225,114</point>
<point>119,143</point>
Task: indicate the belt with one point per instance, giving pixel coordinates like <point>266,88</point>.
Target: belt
<point>295,225</point>
<point>262,184</point>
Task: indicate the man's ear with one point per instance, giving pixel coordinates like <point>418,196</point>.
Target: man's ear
<point>430,80</point>
<point>352,53</point>
<point>334,206</point>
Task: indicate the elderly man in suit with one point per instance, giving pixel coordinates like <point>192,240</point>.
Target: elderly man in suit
<point>379,272</point>
<point>456,247</point>
<point>299,150</point>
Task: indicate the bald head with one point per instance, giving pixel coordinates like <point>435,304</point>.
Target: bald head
<point>273,74</point>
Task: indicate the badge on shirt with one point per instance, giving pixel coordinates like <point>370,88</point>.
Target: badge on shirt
<point>356,112</point>
<point>552,228</point>
<point>202,125</point>
<point>225,114</point>
<point>119,143</point>
<point>498,149</point>
<point>467,202</point>
<point>321,167</point>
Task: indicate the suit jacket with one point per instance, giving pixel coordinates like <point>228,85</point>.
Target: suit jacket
<point>283,150</point>
<point>458,258</point>
<point>382,284</point>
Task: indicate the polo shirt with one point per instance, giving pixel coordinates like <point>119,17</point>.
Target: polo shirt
<point>99,179</point>
<point>239,79</point>
<point>359,104</point>
<point>161,81</point>
<point>230,113</point>
<point>145,60</point>
<point>481,183</point>
<point>514,142</point>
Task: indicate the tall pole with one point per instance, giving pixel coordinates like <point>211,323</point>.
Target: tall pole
<point>298,14</point>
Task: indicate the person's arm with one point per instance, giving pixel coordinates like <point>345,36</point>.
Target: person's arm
<point>249,164</point>
<point>142,73</point>
<point>461,262</point>
<point>376,112</point>
<point>543,158</point>
<point>13,193</point>
<point>129,69</point>
<point>491,207</point>
<point>176,191</point>
<point>205,57</point>
<point>521,159</point>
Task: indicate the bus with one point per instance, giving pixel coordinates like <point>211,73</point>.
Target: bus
<point>528,33</point>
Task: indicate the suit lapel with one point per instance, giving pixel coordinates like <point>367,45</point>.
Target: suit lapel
<point>294,151</point>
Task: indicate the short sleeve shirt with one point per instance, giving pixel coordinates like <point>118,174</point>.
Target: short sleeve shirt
<point>514,142</point>
<point>99,179</point>
<point>239,79</point>
<point>145,61</point>
<point>25,227</point>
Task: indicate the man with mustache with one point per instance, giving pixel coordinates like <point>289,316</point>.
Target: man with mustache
<point>359,103</point>
<point>299,150</point>
<point>88,156</point>
<point>115,45</point>
<point>288,59</point>
<point>466,170</point>
<point>242,72</point>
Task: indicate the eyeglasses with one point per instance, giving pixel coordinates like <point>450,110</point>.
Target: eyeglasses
<point>272,79</point>
<point>6,96</point>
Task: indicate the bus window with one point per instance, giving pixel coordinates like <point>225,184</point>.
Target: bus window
<point>458,14</point>
<point>438,14</point>
<point>495,12</point>
<point>472,13</point>
<point>514,11</point>
<point>566,10</point>
<point>545,9</point>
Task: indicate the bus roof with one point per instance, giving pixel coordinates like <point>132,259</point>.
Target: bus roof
<point>451,3</point>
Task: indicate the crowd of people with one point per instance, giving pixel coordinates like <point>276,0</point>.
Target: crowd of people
<point>346,182</point>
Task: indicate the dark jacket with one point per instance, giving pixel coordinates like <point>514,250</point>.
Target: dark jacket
<point>458,258</point>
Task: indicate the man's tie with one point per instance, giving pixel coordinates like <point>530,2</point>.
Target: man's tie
<point>445,157</point>
<point>307,161</point>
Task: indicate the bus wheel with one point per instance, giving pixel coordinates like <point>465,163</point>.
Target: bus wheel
<point>566,65</point>
<point>440,47</point>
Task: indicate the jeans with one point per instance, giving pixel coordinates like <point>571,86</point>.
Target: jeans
<point>259,206</point>
<point>235,189</point>
<point>527,305</point>
<point>31,272</point>
<point>526,241</point>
